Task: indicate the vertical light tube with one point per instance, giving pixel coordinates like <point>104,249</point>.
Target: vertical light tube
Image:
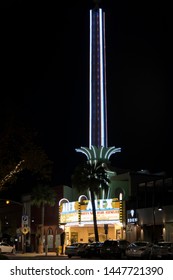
<point>90,83</point>
<point>97,81</point>
<point>102,119</point>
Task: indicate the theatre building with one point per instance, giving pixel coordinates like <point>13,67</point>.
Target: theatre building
<point>76,216</point>
<point>76,219</point>
<point>130,211</point>
<point>138,193</point>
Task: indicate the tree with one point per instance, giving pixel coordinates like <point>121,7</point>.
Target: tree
<point>41,196</point>
<point>91,176</point>
<point>23,162</point>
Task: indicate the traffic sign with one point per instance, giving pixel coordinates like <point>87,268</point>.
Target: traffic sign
<point>25,230</point>
<point>24,220</point>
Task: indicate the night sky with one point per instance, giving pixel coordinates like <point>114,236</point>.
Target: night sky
<point>45,79</point>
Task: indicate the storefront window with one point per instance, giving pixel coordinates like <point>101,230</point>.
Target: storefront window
<point>74,237</point>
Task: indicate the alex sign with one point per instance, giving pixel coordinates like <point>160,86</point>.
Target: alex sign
<point>106,210</point>
<point>100,204</point>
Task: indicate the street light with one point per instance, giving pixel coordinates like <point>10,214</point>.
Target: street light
<point>9,201</point>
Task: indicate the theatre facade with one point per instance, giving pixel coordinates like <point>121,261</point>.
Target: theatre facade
<point>76,219</point>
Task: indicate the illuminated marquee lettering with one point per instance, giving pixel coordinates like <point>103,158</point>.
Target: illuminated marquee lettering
<point>101,204</point>
<point>107,210</point>
<point>69,207</point>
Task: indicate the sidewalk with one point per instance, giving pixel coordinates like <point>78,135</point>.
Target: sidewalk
<point>34,254</point>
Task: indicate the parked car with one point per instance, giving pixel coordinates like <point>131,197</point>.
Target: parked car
<point>6,248</point>
<point>81,251</point>
<point>93,249</point>
<point>72,250</point>
<point>162,250</point>
<point>112,249</point>
<point>139,250</point>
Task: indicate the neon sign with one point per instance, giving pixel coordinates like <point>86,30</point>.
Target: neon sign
<point>106,210</point>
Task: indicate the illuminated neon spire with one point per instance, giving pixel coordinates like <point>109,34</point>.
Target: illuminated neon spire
<point>98,136</point>
<point>97,80</point>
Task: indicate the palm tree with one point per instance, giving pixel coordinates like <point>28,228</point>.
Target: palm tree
<point>41,196</point>
<point>91,176</point>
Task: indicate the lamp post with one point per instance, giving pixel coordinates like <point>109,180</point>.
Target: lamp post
<point>154,225</point>
<point>7,201</point>
<point>154,222</point>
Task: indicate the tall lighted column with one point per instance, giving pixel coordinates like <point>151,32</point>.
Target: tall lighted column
<point>98,137</point>
<point>97,80</point>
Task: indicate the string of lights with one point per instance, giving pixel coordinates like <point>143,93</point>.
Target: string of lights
<point>18,168</point>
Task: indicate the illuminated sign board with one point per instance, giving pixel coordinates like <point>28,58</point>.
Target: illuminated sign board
<point>106,210</point>
<point>69,212</point>
<point>132,217</point>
